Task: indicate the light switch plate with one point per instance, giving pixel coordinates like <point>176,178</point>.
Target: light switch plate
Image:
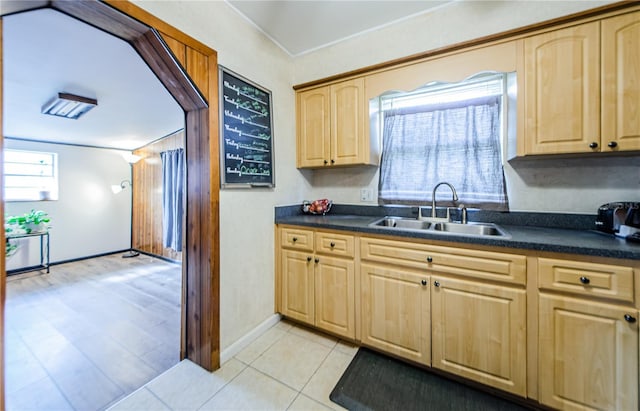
<point>366,195</point>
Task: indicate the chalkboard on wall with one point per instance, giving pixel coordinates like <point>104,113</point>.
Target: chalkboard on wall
<point>246,132</point>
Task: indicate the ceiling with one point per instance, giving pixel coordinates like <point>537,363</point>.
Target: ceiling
<point>46,52</point>
<point>302,26</point>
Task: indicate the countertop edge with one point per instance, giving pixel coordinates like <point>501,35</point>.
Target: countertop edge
<point>579,242</point>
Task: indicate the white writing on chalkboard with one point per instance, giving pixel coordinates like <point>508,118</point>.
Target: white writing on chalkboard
<point>246,132</point>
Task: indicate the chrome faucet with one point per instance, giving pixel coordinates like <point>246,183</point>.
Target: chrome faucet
<point>433,198</point>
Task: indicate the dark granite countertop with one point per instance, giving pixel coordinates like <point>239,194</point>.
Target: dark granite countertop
<point>574,236</point>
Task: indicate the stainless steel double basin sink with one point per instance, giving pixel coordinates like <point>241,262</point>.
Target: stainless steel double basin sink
<point>412,224</point>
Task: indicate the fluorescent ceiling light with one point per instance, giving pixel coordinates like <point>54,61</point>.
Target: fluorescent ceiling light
<point>69,106</point>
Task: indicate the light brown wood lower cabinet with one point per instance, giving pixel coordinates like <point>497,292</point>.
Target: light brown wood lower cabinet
<point>334,295</point>
<point>298,297</point>
<point>479,332</point>
<point>317,275</point>
<point>473,312</point>
<point>588,355</point>
<point>395,311</point>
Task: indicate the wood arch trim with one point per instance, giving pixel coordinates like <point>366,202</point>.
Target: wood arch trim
<point>200,328</point>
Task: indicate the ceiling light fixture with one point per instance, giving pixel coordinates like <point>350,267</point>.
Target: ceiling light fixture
<point>69,106</point>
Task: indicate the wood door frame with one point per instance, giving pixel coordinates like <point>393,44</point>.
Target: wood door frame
<point>201,268</point>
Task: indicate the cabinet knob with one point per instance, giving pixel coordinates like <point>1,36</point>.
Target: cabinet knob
<point>333,161</point>
<point>436,283</point>
<point>629,318</point>
<point>325,161</point>
<point>423,282</point>
<point>585,280</point>
<point>317,260</point>
<point>612,144</point>
<point>593,145</point>
<point>308,259</point>
<point>429,259</point>
<point>294,239</point>
<point>332,244</point>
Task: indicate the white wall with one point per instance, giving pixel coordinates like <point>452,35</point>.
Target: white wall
<point>246,216</point>
<point>570,186</point>
<point>87,219</point>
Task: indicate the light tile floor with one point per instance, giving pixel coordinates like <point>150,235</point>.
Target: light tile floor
<point>286,368</point>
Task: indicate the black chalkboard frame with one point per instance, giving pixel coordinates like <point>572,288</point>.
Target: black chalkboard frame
<point>232,176</point>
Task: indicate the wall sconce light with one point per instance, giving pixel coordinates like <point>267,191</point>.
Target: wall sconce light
<point>116,188</point>
<point>131,158</point>
<point>69,106</point>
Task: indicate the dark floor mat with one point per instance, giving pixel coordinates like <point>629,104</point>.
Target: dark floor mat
<point>376,382</point>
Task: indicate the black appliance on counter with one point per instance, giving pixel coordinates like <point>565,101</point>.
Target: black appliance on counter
<point>621,218</point>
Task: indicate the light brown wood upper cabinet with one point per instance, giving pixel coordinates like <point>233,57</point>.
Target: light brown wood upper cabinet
<point>582,88</point>
<point>331,126</point>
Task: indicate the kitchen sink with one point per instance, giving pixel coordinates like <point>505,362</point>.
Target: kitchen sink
<point>479,229</point>
<point>399,222</point>
<point>471,229</point>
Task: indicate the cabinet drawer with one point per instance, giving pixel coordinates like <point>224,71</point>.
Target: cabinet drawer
<point>510,268</point>
<point>610,281</point>
<point>297,239</point>
<point>335,244</point>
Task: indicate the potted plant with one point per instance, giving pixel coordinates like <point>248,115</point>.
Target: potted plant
<point>35,221</point>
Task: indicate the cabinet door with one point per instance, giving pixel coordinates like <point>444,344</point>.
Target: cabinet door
<point>297,286</point>
<point>562,90</point>
<point>313,128</point>
<point>395,311</point>
<point>347,122</point>
<point>479,332</point>
<point>621,82</point>
<point>335,295</point>
<point>588,355</point>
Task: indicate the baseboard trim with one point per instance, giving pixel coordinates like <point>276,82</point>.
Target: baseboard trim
<point>245,340</point>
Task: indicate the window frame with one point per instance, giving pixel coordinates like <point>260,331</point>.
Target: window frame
<point>507,94</point>
<point>40,187</point>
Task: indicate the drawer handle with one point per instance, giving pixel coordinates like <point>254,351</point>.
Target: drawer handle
<point>585,280</point>
<point>629,318</point>
<point>612,144</point>
<point>308,259</point>
<point>317,260</point>
<point>294,239</point>
<point>423,282</point>
<point>429,259</point>
<point>593,145</point>
<point>332,244</point>
<point>436,283</point>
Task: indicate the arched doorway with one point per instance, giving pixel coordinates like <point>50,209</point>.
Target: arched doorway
<point>195,89</point>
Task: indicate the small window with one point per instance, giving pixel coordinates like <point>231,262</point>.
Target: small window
<point>30,175</point>
<point>445,132</point>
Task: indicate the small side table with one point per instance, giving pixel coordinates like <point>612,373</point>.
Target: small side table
<point>44,252</point>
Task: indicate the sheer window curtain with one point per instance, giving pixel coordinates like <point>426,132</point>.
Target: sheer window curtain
<point>456,142</point>
<point>173,180</point>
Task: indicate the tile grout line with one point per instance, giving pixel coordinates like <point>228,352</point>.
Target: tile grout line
<point>223,386</point>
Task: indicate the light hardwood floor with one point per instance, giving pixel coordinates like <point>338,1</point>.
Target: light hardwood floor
<point>90,332</point>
